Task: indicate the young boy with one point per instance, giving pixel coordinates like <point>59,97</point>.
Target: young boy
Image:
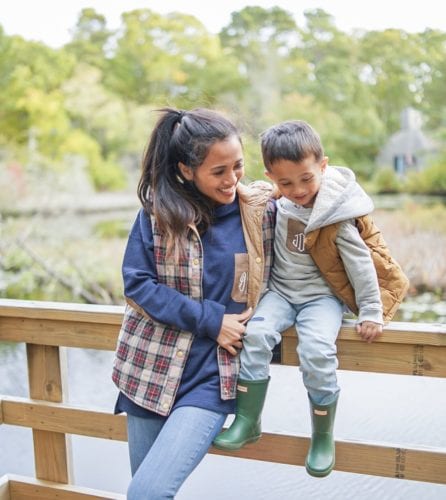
<point>328,255</point>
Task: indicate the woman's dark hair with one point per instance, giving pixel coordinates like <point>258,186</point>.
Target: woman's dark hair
<point>292,140</point>
<point>186,137</point>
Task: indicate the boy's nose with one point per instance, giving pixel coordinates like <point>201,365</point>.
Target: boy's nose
<point>299,192</point>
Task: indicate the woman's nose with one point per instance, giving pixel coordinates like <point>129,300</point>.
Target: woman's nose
<point>231,178</point>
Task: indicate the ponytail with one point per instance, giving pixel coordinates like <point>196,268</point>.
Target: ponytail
<point>186,137</point>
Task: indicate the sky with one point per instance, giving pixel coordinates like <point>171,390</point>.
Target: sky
<point>50,21</point>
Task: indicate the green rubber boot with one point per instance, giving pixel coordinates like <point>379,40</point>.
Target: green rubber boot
<point>321,455</point>
<point>246,427</point>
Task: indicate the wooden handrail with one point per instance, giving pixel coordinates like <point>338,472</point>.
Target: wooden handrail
<point>403,348</point>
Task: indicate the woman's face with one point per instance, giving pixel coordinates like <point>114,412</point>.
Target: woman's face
<point>221,171</point>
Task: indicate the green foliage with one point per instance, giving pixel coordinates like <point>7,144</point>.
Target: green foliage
<point>105,174</point>
<point>111,229</point>
<point>169,58</point>
<point>385,180</point>
<point>254,168</point>
<point>94,109</point>
<point>92,97</point>
<point>395,70</point>
<point>53,267</point>
<point>90,38</point>
<point>431,180</point>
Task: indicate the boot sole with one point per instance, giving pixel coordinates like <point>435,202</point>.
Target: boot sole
<point>318,473</point>
<point>233,446</point>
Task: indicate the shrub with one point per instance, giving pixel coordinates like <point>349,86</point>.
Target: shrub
<point>385,180</point>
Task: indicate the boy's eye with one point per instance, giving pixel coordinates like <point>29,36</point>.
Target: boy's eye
<point>307,179</point>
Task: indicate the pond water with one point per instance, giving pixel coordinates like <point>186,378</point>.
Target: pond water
<point>392,409</point>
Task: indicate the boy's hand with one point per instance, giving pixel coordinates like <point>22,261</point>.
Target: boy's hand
<point>369,330</point>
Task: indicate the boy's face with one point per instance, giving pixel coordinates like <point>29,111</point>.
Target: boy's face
<point>298,181</point>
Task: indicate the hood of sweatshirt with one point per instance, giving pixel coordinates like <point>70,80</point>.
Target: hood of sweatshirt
<point>339,198</point>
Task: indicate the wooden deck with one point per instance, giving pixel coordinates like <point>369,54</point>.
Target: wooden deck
<point>415,349</point>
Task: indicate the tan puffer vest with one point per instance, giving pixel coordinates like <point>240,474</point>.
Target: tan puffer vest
<point>393,283</point>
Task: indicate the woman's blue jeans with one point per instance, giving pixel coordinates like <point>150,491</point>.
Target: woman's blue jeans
<point>317,322</point>
<point>164,451</point>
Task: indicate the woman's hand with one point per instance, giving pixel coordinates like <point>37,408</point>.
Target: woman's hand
<point>369,330</point>
<point>233,330</point>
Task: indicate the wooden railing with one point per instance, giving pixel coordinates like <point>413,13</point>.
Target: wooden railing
<point>404,348</point>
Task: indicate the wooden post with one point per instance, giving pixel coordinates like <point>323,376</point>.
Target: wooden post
<point>4,488</point>
<point>52,450</point>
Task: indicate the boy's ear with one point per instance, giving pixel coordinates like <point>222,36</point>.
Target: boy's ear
<point>276,191</point>
<point>276,194</point>
<point>324,163</point>
<point>186,171</point>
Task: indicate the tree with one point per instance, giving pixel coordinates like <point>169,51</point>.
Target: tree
<point>335,83</point>
<point>31,75</point>
<point>90,38</point>
<point>262,39</point>
<point>169,58</point>
<point>392,68</point>
<point>433,104</point>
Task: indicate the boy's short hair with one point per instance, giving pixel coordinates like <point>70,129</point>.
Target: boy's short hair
<point>292,140</point>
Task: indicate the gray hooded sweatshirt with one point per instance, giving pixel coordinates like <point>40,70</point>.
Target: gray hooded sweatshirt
<point>295,276</point>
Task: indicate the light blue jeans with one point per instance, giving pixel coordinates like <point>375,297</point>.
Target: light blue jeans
<point>317,323</point>
<point>164,451</point>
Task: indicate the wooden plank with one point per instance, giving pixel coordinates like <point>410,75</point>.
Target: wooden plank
<point>44,372</point>
<point>62,418</point>
<point>23,488</point>
<point>52,451</point>
<point>66,311</point>
<point>380,357</point>
<point>418,464</point>
<point>394,332</point>
<point>415,464</point>
<point>59,333</point>
<point>52,456</point>
<point>4,488</point>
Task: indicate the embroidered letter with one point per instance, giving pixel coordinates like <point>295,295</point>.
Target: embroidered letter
<point>243,282</point>
<point>298,241</point>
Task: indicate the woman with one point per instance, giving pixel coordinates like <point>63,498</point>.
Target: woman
<point>196,262</point>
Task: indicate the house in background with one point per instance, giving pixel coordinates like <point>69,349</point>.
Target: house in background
<point>409,149</point>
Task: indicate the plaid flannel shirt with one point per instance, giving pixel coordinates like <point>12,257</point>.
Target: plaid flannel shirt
<point>150,356</point>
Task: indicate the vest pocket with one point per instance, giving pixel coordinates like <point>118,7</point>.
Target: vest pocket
<point>240,286</point>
